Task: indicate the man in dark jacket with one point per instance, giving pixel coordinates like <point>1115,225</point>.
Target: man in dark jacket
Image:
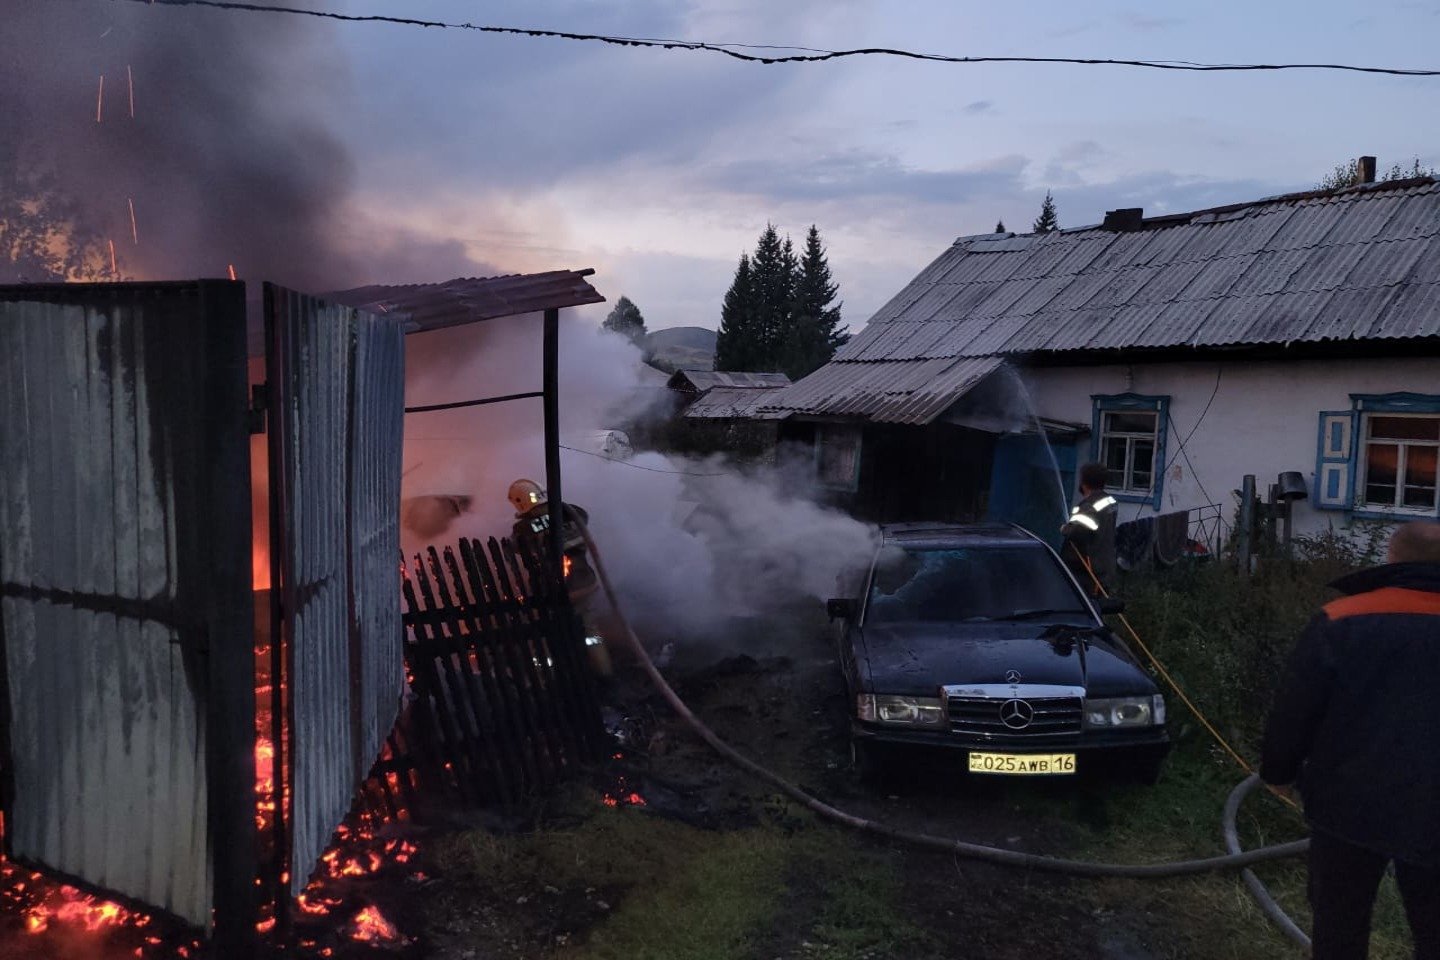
<point>1357,725</point>
<point>1090,532</point>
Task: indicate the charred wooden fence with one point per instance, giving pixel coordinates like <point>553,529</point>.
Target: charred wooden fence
<point>496,656</point>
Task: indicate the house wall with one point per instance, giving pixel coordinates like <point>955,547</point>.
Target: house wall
<point>1264,419</point>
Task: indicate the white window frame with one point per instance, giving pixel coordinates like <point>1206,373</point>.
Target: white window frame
<point>1362,456</point>
<point>1130,437</point>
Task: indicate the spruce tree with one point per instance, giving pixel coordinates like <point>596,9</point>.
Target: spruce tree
<point>1047,222</point>
<point>625,319</point>
<point>1000,226</point>
<point>815,331</point>
<point>735,341</point>
<point>772,272</point>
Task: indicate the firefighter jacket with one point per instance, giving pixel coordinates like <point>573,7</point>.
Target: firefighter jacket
<point>531,533</point>
<point>1090,540</point>
<point>1355,721</point>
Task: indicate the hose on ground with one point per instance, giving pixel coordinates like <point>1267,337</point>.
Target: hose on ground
<point>959,848</point>
<point>1257,889</point>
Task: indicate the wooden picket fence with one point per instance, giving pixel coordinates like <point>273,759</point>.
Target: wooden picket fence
<point>506,703</point>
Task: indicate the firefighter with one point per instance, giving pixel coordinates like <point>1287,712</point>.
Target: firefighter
<point>1089,534</point>
<point>531,536</point>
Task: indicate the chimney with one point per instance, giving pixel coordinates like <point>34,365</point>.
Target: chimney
<point>1365,170</point>
<point>1127,220</point>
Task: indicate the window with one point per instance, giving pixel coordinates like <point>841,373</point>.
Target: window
<point>1130,441</point>
<point>1390,468</point>
<point>1399,462</point>
<point>837,456</point>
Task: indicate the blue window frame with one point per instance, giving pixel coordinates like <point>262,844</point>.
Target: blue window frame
<point>1380,458</point>
<point>1128,436</point>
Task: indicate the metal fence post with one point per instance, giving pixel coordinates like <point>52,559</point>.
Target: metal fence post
<point>1244,536</point>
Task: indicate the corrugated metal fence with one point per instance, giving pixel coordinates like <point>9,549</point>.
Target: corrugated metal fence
<point>126,614</point>
<point>336,388</point>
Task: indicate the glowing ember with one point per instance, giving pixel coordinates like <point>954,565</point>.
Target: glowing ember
<point>372,927</point>
<point>567,564</point>
<point>100,99</point>
<point>130,82</point>
<point>232,271</point>
<point>134,228</point>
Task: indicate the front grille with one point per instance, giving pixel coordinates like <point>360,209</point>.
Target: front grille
<point>980,716</point>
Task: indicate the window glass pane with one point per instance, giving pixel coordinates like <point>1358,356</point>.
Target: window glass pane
<point>1130,422</point>
<point>1405,428</point>
<point>1142,468</point>
<point>1113,456</point>
<point>1420,476</point>
<point>1381,460</point>
<point>838,456</point>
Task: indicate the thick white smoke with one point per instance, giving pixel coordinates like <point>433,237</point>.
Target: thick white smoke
<point>692,544</point>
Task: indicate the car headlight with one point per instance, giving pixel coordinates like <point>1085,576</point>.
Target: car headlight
<point>902,711</point>
<point>1114,712</point>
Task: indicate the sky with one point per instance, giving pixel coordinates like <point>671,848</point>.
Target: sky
<point>659,168</point>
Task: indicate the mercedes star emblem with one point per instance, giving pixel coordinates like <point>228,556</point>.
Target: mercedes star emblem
<point>1016,714</point>
<point>1012,676</point>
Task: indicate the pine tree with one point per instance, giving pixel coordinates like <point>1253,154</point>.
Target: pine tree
<point>1000,226</point>
<point>814,330</point>
<point>1047,222</point>
<point>625,319</point>
<point>735,342</point>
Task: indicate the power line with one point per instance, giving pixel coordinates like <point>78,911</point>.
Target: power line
<point>803,54</point>
<point>627,463</point>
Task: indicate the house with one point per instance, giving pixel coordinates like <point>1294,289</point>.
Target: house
<point>1294,333</point>
<point>720,411</point>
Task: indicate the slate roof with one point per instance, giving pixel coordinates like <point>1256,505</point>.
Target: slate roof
<point>430,306</point>
<point>702,380</point>
<point>1356,264</point>
<point>732,403</point>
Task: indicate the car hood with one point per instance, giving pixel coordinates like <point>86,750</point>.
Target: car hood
<point>916,659</point>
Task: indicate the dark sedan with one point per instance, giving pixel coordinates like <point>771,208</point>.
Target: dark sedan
<point>977,639</point>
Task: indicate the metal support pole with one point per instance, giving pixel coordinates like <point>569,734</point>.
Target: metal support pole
<point>1288,511</point>
<point>1245,534</point>
<point>551,387</point>
<point>1272,513</point>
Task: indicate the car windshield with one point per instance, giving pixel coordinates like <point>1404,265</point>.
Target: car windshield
<point>970,584</point>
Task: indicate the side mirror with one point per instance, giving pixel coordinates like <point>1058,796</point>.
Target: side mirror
<point>841,609</point>
<point>1109,605</point>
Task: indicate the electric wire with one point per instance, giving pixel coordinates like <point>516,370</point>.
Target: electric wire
<point>805,54</point>
<point>959,848</point>
<point>636,466</point>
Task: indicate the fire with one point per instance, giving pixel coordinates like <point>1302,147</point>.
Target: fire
<point>567,564</point>
<point>372,927</point>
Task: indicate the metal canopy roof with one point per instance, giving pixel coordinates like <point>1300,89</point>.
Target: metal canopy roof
<point>431,306</point>
<point>1360,264</point>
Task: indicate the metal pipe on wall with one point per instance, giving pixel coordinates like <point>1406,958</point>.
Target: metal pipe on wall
<point>550,361</point>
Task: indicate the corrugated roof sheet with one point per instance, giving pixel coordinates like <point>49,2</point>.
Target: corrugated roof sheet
<point>733,403</point>
<point>703,380</point>
<point>1361,263</point>
<point>430,306</point>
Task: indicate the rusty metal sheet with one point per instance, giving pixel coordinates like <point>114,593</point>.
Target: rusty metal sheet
<point>336,407</point>
<point>126,612</point>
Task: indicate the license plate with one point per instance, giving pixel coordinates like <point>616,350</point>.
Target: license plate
<point>1023,763</point>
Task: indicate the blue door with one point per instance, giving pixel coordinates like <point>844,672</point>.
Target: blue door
<point>1024,486</point>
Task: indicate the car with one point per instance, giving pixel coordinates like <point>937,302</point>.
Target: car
<point>975,638</point>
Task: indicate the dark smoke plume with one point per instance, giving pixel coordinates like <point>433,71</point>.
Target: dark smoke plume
<point>233,154</point>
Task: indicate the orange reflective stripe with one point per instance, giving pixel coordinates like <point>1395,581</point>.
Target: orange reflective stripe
<point>1385,600</point>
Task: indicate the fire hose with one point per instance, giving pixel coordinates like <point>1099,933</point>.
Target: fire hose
<point>1236,859</point>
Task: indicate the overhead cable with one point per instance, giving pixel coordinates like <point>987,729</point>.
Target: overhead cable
<point>738,51</point>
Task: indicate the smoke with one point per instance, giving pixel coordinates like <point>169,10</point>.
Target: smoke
<point>693,545</point>
<point>232,155</point>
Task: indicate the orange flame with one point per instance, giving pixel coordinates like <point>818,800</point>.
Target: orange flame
<point>372,927</point>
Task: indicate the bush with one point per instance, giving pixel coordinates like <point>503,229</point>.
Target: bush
<point>1225,637</point>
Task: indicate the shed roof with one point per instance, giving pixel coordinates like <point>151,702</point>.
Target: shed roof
<point>702,380</point>
<point>430,306</point>
<point>1360,264</point>
<point>732,403</point>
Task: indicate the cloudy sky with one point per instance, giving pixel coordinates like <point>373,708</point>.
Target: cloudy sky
<point>659,168</point>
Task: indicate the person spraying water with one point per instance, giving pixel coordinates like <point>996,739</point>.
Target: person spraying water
<point>1090,532</point>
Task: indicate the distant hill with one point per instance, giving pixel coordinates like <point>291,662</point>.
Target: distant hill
<point>675,348</point>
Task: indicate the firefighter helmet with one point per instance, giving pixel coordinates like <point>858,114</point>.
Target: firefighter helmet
<point>525,495</point>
